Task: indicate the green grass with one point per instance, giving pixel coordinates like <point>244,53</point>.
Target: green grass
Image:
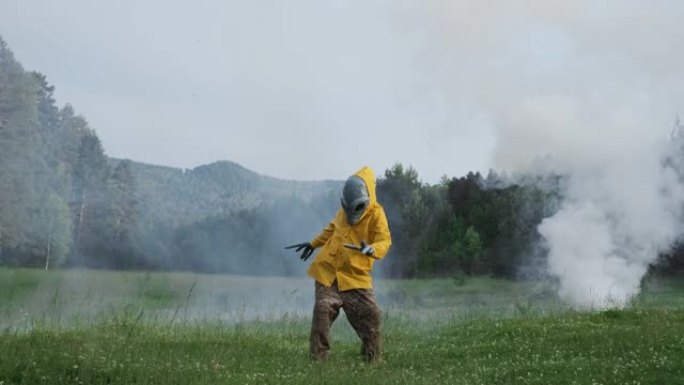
<point>615,347</point>
<point>436,332</point>
<point>16,284</point>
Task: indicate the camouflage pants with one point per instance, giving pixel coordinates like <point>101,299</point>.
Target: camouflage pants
<point>362,313</point>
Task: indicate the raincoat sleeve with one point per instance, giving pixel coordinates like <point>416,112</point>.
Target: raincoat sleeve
<point>380,235</point>
<point>323,237</point>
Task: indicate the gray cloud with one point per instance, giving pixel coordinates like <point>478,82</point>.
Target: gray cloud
<point>311,90</point>
<point>304,90</point>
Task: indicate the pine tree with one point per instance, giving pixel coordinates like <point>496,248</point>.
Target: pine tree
<point>123,217</point>
<point>89,204</point>
<point>22,168</point>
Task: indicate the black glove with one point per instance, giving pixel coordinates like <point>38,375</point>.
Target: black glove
<point>308,250</point>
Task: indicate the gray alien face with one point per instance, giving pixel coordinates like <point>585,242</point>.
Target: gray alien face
<point>355,199</point>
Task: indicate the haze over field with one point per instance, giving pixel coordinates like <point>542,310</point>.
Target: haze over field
<point>312,90</point>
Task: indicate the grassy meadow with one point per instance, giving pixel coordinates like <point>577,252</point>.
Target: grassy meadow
<point>97,327</point>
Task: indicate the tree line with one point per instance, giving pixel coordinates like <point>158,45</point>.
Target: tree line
<point>470,225</point>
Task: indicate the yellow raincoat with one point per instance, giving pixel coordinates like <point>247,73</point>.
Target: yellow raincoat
<point>349,267</point>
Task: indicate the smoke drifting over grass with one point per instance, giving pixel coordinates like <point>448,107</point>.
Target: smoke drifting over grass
<point>622,200</point>
<point>615,221</point>
<point>588,91</point>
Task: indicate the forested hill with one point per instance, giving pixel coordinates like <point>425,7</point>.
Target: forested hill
<point>182,196</point>
<point>63,201</point>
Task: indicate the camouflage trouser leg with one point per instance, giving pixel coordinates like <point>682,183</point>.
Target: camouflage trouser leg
<point>365,317</point>
<point>326,309</point>
<point>362,312</point>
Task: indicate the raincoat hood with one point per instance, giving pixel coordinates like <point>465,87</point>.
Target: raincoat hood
<point>366,173</point>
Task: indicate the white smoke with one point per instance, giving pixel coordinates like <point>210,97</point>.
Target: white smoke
<point>587,90</point>
<point>617,217</point>
<point>622,202</point>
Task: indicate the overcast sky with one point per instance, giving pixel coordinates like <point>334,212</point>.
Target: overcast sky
<point>314,89</point>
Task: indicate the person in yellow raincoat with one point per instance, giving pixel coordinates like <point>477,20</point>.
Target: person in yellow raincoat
<point>357,236</point>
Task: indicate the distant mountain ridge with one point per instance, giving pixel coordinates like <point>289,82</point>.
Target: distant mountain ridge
<point>176,196</point>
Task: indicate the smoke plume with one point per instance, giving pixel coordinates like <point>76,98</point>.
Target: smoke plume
<point>618,215</point>
<point>622,195</point>
<point>589,92</point>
